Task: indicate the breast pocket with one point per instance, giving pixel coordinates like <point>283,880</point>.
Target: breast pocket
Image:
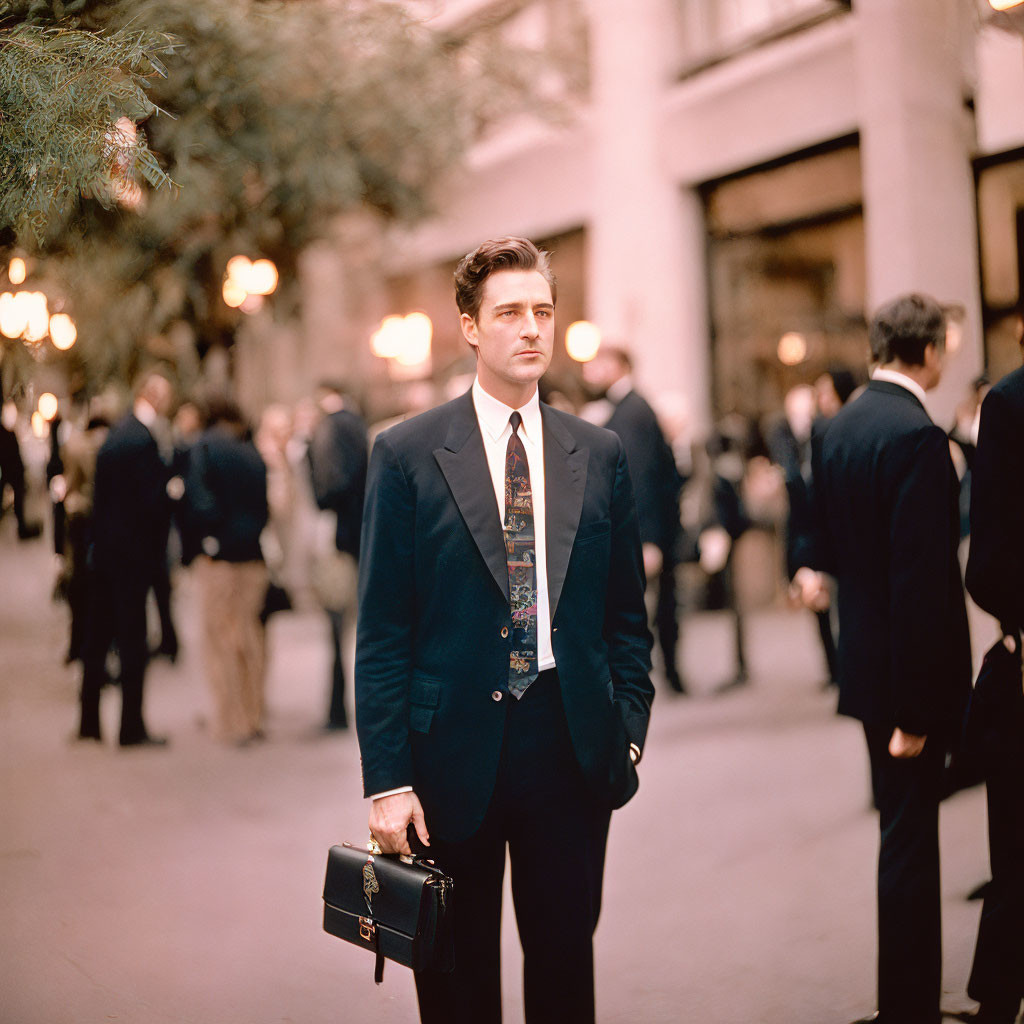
<point>424,699</point>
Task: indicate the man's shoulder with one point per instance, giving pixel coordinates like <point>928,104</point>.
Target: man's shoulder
<point>427,430</point>
<point>1011,388</point>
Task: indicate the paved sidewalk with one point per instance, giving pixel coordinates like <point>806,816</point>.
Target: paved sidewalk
<point>184,885</point>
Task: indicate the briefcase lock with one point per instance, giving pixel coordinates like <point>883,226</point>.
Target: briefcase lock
<point>367,929</point>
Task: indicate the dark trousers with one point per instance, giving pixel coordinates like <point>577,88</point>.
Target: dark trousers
<point>909,915</point>
<point>997,978</point>
<point>828,643</point>
<point>117,616</point>
<point>337,716</point>
<point>555,832</point>
<point>666,617</point>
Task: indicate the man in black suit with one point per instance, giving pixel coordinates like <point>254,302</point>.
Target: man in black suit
<point>131,510</point>
<point>888,520</point>
<point>995,578</point>
<point>502,659</point>
<point>656,484</point>
<point>337,460</point>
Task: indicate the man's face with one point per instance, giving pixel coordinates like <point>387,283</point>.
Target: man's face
<point>934,360</point>
<point>601,372</point>
<point>159,392</point>
<point>514,330</point>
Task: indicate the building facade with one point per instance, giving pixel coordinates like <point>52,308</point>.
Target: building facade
<point>720,174</point>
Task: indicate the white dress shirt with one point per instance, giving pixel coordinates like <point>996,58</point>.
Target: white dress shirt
<point>493,417</point>
<point>895,377</point>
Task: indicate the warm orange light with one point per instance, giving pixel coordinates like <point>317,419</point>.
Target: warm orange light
<point>48,405</point>
<point>792,348</point>
<point>17,270</point>
<point>39,425</point>
<point>262,278</point>
<point>582,340</point>
<point>386,341</point>
<point>1004,5</point>
<point>63,332</point>
<point>233,293</point>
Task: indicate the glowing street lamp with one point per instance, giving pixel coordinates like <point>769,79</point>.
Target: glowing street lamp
<point>582,340</point>
<point>792,350</point>
<point>247,282</point>
<point>48,406</point>
<point>16,271</point>
<point>63,332</point>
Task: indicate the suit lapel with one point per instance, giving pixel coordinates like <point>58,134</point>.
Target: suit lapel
<point>565,480</point>
<point>464,464</point>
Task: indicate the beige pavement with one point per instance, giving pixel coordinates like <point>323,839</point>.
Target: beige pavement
<point>183,885</point>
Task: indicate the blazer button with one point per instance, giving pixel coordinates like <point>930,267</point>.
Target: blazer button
<point>504,632</point>
<point>497,695</point>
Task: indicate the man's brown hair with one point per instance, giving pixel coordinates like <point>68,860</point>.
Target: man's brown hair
<point>510,253</point>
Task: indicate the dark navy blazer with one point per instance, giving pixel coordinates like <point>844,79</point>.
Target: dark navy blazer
<point>434,629</point>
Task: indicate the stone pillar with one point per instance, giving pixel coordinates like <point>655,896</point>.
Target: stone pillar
<point>646,270</point>
<point>916,141</point>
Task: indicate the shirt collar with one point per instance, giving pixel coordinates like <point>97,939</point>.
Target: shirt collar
<point>894,377</point>
<point>493,415</point>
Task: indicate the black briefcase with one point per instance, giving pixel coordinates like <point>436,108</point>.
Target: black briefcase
<point>398,907</point>
<point>996,710</point>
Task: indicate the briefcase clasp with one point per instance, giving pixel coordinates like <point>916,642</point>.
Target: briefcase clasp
<point>367,929</point>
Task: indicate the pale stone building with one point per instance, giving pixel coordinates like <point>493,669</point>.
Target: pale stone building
<point>721,173</point>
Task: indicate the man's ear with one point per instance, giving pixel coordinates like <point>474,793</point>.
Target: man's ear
<point>469,332</point>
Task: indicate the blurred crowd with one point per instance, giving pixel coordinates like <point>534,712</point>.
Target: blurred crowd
<point>267,517</point>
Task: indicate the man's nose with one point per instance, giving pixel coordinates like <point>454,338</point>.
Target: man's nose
<point>529,328</point>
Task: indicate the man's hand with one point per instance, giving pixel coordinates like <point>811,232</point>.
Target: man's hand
<point>810,589</point>
<point>904,745</point>
<point>390,817</point>
<point>652,560</point>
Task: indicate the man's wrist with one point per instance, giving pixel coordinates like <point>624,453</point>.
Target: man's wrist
<point>391,792</point>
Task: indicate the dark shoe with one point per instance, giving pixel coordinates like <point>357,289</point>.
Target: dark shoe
<point>336,726</point>
<point>85,737</point>
<point>146,741</point>
<point>979,892</point>
<point>29,531</point>
<point>991,1012</point>
<point>675,683</point>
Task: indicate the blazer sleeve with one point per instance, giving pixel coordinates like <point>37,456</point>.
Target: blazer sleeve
<point>384,635</point>
<point>920,550</point>
<point>995,567</point>
<point>625,621</point>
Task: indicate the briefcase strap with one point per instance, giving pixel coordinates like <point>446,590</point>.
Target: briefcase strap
<point>378,969</point>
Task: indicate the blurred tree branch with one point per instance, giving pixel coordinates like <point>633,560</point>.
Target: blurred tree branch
<point>283,116</point>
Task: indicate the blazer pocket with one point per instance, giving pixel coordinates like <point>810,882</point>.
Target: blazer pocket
<point>424,699</point>
<point>593,531</point>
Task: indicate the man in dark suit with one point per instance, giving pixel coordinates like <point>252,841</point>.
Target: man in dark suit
<point>131,511</point>
<point>995,578</point>
<point>502,659</point>
<point>337,460</point>
<point>656,484</point>
<point>886,493</point>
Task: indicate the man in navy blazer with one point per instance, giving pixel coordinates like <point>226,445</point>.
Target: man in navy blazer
<point>887,504</point>
<point>491,721</point>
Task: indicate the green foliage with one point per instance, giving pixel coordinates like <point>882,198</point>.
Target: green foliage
<point>281,115</point>
<point>61,91</point>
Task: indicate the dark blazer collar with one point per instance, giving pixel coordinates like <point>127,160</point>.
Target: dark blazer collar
<point>464,464</point>
<point>887,387</point>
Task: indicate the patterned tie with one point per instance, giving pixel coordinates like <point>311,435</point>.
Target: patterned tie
<point>521,555</point>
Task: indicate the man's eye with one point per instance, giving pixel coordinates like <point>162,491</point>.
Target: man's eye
<point>543,312</point>
<point>507,312</point>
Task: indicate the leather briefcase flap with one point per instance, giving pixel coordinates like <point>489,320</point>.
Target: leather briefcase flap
<point>395,907</point>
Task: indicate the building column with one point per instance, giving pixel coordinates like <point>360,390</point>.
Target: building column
<point>646,271</point>
<point>916,142</point>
